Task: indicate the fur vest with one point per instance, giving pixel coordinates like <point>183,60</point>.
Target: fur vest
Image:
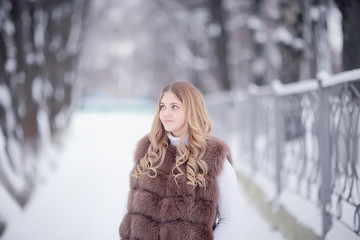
<point>159,209</point>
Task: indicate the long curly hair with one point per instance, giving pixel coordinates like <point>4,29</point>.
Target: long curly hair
<point>197,130</point>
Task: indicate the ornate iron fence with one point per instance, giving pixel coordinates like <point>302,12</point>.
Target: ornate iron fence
<point>304,137</point>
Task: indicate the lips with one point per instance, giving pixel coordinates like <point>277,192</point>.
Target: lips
<point>168,121</point>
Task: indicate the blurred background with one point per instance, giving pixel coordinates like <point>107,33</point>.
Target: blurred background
<point>280,78</point>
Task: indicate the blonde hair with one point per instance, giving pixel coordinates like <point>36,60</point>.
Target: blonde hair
<point>197,129</point>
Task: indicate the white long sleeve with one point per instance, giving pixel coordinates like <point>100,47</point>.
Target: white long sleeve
<point>228,204</point>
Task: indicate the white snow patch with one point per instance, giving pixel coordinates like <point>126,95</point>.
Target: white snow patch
<point>122,49</point>
<point>254,23</point>
<point>30,58</point>
<point>10,65</point>
<point>39,32</point>
<point>9,27</point>
<point>314,13</point>
<point>214,30</point>
<point>5,97</point>
<point>335,33</point>
<point>36,89</point>
<point>87,194</point>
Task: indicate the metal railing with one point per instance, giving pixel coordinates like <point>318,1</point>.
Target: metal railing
<point>304,137</point>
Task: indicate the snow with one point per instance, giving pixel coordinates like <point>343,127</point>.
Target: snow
<point>348,76</point>
<point>123,49</point>
<point>84,197</point>
<point>294,88</point>
<point>314,13</point>
<point>259,67</point>
<point>6,103</point>
<point>48,90</point>
<point>6,169</point>
<point>5,97</point>
<point>252,224</point>
<point>55,42</point>
<point>40,26</point>
<point>9,168</point>
<point>313,85</point>
<point>14,150</point>
<point>30,58</point>
<point>260,37</point>
<point>334,22</point>
<point>21,110</point>
<point>60,120</point>
<point>9,207</point>
<point>339,231</point>
<point>83,194</point>
<point>255,23</point>
<point>10,65</point>
<point>9,27</point>
<point>36,90</point>
<point>312,218</point>
<point>284,36</point>
<point>47,155</point>
<point>214,30</point>
<point>305,212</point>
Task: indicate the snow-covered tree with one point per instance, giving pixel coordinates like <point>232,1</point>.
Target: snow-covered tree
<point>40,46</point>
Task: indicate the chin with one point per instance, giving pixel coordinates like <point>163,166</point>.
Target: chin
<point>167,130</point>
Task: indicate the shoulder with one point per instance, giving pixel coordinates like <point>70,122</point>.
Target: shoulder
<point>217,152</point>
<point>141,148</point>
<point>218,148</point>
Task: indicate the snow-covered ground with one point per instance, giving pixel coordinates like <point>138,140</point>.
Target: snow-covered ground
<point>84,197</point>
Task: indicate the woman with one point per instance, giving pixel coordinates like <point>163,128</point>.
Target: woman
<point>183,185</point>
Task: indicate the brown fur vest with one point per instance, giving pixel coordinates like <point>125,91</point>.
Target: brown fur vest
<point>159,209</point>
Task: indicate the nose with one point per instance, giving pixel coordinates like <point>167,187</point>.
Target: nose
<point>167,112</point>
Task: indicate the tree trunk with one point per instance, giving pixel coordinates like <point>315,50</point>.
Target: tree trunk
<point>350,10</point>
<point>308,63</point>
<point>221,40</point>
<point>290,40</point>
<point>322,49</point>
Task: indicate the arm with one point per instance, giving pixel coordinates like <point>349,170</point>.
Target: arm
<point>228,202</point>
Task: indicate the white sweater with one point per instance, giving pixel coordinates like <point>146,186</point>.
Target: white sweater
<point>228,199</point>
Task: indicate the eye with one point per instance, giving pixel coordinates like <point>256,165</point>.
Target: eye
<point>175,106</point>
<point>162,106</point>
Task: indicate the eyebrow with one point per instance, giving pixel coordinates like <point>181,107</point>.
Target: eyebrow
<point>171,103</point>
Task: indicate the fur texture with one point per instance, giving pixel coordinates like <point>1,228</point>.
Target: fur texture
<point>159,209</point>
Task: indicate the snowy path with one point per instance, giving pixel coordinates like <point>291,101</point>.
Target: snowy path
<point>84,198</point>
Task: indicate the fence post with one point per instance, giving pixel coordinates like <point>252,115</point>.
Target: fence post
<point>279,144</point>
<point>324,156</point>
<point>253,122</point>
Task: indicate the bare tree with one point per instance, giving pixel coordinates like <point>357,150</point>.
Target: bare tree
<point>40,44</point>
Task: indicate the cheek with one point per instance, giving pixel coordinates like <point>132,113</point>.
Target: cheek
<point>183,119</point>
<point>161,115</point>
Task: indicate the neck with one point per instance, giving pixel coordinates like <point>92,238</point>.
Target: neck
<point>175,140</point>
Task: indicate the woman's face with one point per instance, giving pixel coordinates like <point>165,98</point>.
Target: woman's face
<point>172,114</point>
